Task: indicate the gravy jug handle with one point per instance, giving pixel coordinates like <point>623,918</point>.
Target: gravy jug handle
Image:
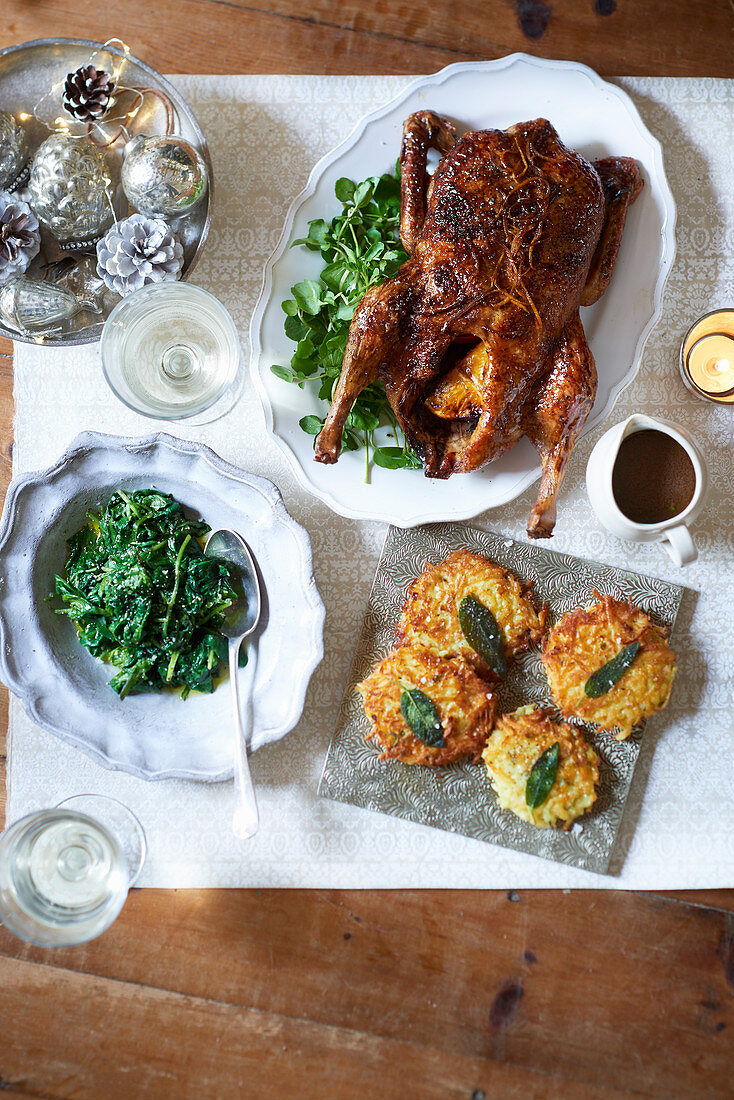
<point>680,545</point>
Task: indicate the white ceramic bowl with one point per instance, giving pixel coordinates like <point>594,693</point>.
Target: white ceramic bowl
<point>65,690</point>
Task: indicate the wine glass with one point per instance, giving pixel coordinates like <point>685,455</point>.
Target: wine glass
<point>171,351</point>
<point>65,872</point>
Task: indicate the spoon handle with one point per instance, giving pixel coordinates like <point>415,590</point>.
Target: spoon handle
<point>246,820</point>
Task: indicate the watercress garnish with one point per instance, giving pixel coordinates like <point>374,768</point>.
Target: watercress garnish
<point>360,248</point>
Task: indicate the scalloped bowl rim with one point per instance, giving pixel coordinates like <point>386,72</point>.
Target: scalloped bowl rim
<point>84,444</point>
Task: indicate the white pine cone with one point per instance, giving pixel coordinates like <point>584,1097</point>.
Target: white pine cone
<point>137,251</point>
<point>87,93</point>
<point>20,238</point>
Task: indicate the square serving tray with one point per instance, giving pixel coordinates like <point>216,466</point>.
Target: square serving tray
<point>460,798</point>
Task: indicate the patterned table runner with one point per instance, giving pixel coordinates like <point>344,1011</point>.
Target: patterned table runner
<point>265,134</point>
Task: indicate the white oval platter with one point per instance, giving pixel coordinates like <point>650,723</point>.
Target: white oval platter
<point>594,117</point>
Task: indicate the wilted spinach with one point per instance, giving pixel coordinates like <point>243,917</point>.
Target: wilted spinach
<point>143,596</point>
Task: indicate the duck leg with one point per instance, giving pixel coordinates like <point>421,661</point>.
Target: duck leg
<point>555,414</point>
<point>373,335</point>
<point>422,131</point>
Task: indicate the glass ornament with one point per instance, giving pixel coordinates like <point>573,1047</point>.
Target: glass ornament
<point>33,306</point>
<point>70,190</point>
<point>163,175</point>
<point>79,275</point>
<point>13,152</point>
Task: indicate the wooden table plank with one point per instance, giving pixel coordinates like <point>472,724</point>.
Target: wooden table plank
<point>546,981</point>
<point>386,994</point>
<point>673,38</point>
<point>6,464</point>
<point>141,1042</point>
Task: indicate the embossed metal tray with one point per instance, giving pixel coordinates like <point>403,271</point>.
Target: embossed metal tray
<point>30,69</point>
<point>460,798</point>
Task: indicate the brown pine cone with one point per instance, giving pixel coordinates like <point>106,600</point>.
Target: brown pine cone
<point>87,93</point>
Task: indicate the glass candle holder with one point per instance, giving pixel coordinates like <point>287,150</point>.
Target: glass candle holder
<point>171,351</point>
<point>707,357</point>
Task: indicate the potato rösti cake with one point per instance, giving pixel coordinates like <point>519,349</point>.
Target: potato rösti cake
<point>425,710</point>
<point>530,740</point>
<point>609,664</point>
<point>430,616</point>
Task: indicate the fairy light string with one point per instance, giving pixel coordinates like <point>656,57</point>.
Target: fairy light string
<point>93,130</point>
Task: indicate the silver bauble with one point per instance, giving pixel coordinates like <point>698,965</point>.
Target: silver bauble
<point>29,305</point>
<point>13,152</point>
<point>79,275</point>
<point>71,190</point>
<point>163,175</point>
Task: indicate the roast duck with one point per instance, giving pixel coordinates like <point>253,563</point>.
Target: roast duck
<point>477,338</point>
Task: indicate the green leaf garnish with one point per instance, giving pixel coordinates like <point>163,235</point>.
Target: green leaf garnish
<point>482,632</point>
<point>360,249</point>
<point>308,296</point>
<point>541,777</point>
<point>311,425</point>
<point>421,715</point>
<point>143,597</point>
<point>604,679</point>
<point>344,189</point>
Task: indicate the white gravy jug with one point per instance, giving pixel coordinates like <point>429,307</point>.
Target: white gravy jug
<point>673,532</point>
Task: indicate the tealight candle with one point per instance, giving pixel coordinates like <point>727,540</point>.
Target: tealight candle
<point>707,357</point>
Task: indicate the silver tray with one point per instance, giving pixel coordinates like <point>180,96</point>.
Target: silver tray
<point>30,69</point>
<point>459,798</point>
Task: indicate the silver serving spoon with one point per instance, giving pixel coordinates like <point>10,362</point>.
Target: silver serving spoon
<point>239,623</point>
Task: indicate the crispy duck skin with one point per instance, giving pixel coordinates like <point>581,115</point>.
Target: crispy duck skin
<point>477,338</point>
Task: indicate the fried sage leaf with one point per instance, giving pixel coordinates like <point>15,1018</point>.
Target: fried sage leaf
<point>482,632</point>
<point>422,717</point>
<point>541,777</point>
<point>604,679</point>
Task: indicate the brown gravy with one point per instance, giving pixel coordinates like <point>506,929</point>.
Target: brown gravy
<point>653,478</point>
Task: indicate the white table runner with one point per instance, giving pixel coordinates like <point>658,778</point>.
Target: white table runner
<point>265,133</point>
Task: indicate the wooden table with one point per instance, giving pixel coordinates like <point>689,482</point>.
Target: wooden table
<point>331,994</point>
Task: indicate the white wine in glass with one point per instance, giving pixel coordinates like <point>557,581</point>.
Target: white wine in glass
<point>64,875</point>
<point>171,351</point>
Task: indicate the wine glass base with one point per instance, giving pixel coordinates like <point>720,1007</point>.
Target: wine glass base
<point>118,820</point>
<point>222,407</point>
